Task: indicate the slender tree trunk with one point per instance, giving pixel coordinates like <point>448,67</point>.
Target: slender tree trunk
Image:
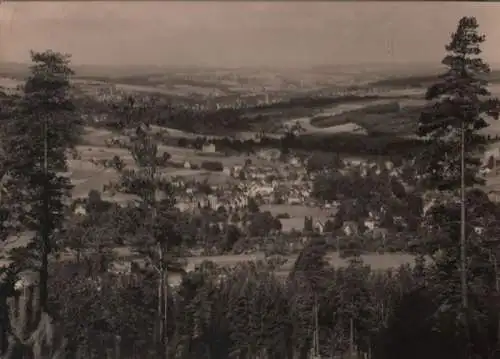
<point>118,347</point>
<point>165,310</point>
<point>45,226</point>
<point>497,287</point>
<point>351,338</point>
<point>463,249</point>
<point>160,301</point>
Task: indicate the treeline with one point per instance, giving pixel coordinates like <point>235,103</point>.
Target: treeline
<point>316,101</point>
<point>336,144</point>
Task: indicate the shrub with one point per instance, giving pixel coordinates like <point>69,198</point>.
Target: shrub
<point>182,142</point>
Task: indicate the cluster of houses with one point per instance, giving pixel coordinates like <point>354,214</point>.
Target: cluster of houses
<point>237,196</point>
<point>230,200</point>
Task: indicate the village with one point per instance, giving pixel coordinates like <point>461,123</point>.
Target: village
<point>282,185</point>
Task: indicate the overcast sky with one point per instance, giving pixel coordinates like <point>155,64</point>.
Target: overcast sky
<point>240,33</point>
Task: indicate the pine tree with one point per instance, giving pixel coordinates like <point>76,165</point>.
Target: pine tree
<point>42,128</point>
<point>460,105</point>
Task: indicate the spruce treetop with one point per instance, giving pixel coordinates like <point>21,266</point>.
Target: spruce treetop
<point>460,97</point>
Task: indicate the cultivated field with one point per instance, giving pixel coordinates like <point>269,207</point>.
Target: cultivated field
<point>375,261</point>
<point>86,175</point>
<point>8,82</point>
<point>297,214</point>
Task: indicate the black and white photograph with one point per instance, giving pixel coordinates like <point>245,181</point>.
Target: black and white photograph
<point>249,180</point>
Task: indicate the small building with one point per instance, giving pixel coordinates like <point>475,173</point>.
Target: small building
<point>269,154</point>
<point>370,224</point>
<point>80,209</point>
<point>208,148</point>
<point>319,226</point>
<point>294,161</point>
<point>184,206</point>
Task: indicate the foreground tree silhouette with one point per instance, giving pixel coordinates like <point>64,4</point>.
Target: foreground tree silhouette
<point>38,137</point>
<point>459,106</point>
<point>41,129</point>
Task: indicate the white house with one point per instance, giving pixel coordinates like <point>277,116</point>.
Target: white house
<point>80,210</point>
<point>319,226</point>
<point>263,190</point>
<point>213,201</point>
<point>208,148</point>
<point>370,224</point>
<point>184,206</point>
<point>294,161</point>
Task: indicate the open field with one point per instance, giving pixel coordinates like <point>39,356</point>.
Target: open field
<point>297,214</point>
<point>9,83</point>
<point>375,261</point>
<point>86,175</point>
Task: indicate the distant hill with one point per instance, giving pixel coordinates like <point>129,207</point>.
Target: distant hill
<point>111,71</point>
<point>420,81</point>
<point>13,69</point>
